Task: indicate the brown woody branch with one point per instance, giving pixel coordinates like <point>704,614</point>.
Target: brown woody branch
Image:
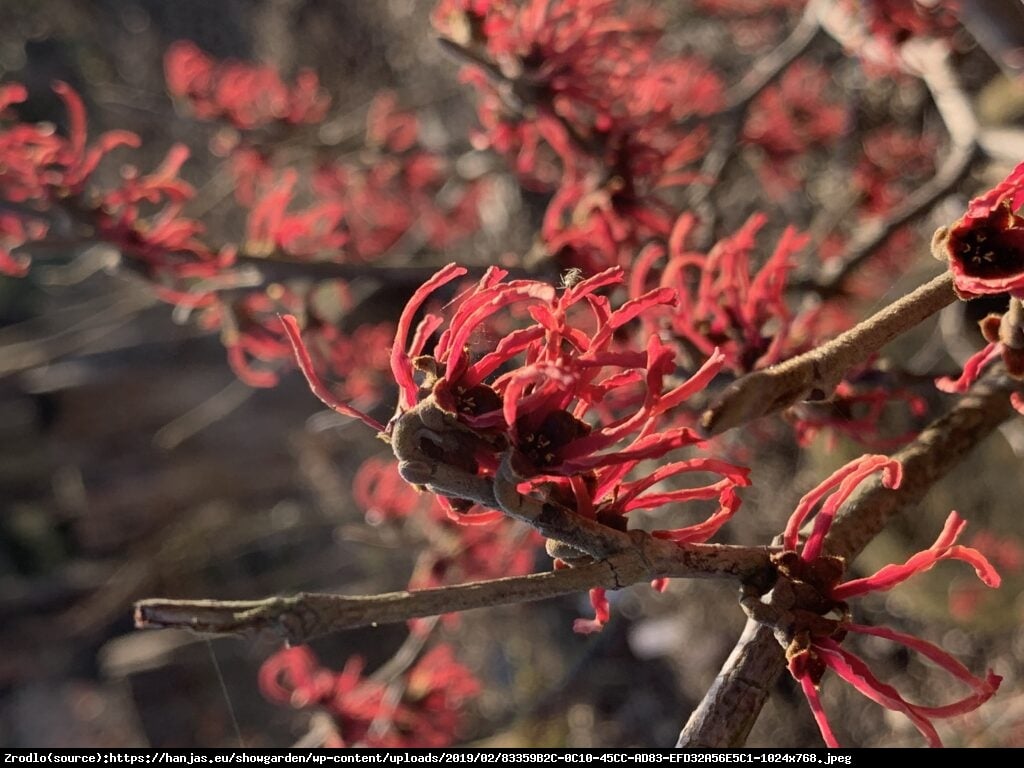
<point>731,706</point>
<point>769,68</point>
<point>815,374</point>
<point>308,615</point>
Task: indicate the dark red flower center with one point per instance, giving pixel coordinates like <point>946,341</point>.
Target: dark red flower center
<point>542,444</point>
<point>989,248</point>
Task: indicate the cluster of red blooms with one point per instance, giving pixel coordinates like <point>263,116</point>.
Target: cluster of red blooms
<point>358,211</point>
<point>41,170</point>
<point>553,393</point>
<point>814,637</point>
<point>396,191</point>
<point>537,391</point>
<point>569,405</point>
<point>246,95</point>
<point>579,98</point>
<point>789,120</point>
<point>421,707</point>
<point>985,251</point>
<point>721,303</point>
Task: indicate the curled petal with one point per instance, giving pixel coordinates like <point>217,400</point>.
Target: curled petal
<point>293,676</point>
<point>983,690</point>
<point>813,700</point>
<point>611,276</point>
<point>12,93</point>
<point>510,346</point>
<point>1010,189</point>
<point>647,447</point>
<point>854,671</point>
<point>973,368</point>
<point>480,517</point>
<point>892,475</point>
<point>629,497</point>
<point>859,469</point>
<point>291,327</point>
<point>424,330</point>
<point>76,116</point>
<point>484,304</point>
<point>244,370</point>
<point>695,383</point>
<point>401,365</point>
<point>729,503</point>
<point>943,549</point>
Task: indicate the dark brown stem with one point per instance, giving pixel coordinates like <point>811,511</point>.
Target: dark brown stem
<point>738,100</point>
<point>769,68</point>
<point>308,615</point>
<point>731,706</point>
<point>815,374</point>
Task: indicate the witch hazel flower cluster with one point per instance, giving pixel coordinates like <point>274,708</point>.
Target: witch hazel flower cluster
<point>349,212</point>
<point>724,303</point>
<point>358,210</point>
<point>143,216</point>
<point>423,706</point>
<point>571,407</point>
<point>246,95</point>
<point>558,402</point>
<point>810,613</point>
<point>581,101</point>
<point>985,253</point>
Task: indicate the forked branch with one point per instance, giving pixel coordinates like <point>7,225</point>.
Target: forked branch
<point>731,706</point>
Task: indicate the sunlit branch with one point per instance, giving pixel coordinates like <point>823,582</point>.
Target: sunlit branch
<point>308,615</point>
<point>732,703</point>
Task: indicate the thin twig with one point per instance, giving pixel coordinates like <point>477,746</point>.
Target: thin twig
<point>308,615</point>
<point>731,706</point>
<point>929,60</point>
<point>769,68</point>
<point>815,374</point>
<point>739,98</point>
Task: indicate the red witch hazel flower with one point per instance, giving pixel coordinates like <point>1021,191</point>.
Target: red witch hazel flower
<point>985,251</point>
<point>366,712</point>
<point>811,617</point>
<point>985,248</point>
<point>723,304</point>
<point>248,95</point>
<point>40,167</point>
